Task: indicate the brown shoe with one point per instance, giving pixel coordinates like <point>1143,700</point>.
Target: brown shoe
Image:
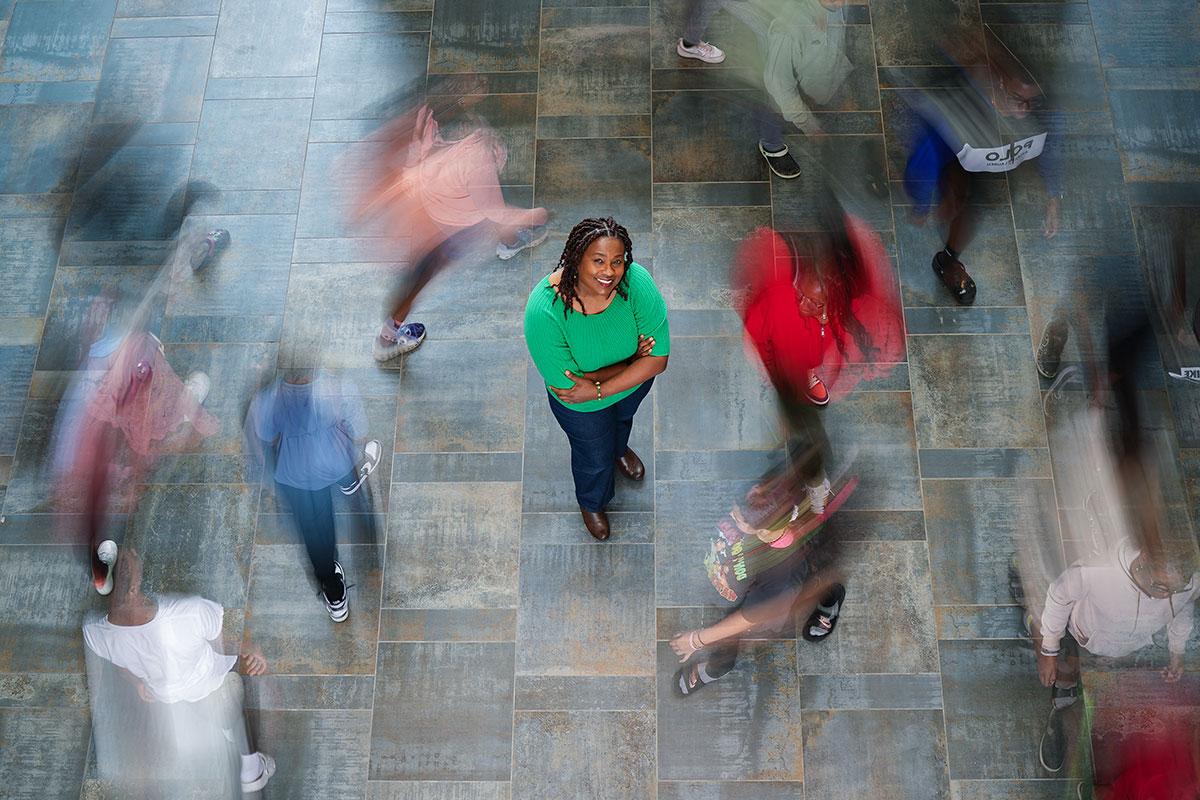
<point>596,523</point>
<point>631,466</point>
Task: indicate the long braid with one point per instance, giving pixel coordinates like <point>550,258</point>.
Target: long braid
<point>578,241</point>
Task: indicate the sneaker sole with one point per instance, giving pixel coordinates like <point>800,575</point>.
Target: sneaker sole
<point>382,358</point>
<point>509,254</point>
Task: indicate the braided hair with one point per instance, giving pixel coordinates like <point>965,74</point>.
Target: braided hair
<point>578,241</point>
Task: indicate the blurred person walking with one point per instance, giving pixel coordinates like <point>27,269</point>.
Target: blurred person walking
<point>696,18</point>
<point>597,331</point>
<point>311,422</point>
<point>439,184</point>
<point>167,702</point>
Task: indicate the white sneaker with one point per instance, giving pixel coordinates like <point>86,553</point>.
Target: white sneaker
<point>107,553</point>
<point>374,454</point>
<point>527,238</point>
<point>198,385</point>
<point>394,341</point>
<point>819,495</point>
<point>703,51</point>
<point>259,783</point>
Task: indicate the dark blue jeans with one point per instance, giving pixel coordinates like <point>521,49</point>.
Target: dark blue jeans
<point>598,439</point>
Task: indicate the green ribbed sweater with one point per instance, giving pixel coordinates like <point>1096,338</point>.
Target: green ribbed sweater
<point>586,342</point>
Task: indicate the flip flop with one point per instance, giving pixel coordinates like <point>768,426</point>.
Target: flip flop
<point>680,683</point>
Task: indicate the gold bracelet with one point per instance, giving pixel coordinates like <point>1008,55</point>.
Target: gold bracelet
<point>599,396</point>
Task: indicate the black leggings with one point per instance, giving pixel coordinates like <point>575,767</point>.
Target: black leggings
<point>313,511</point>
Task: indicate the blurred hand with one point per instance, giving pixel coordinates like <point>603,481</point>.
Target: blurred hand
<point>253,662</point>
<point>581,392</point>
<point>144,693</point>
<point>1051,223</point>
<point>1047,669</point>
<point>681,644</point>
<point>1174,669</point>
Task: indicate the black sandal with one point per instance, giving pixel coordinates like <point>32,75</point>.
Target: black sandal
<point>682,683</point>
<point>825,616</point>
<point>954,276</point>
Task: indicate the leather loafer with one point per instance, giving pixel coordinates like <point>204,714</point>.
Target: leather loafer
<point>631,466</point>
<point>596,523</point>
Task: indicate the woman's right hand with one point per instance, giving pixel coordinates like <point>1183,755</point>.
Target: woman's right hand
<point>645,345</point>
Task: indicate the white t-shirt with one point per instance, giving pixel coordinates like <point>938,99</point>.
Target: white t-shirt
<point>172,654</point>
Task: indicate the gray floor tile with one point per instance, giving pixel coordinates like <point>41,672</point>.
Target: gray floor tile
<point>57,41</point>
<point>40,147</point>
<point>1095,197</point>
<point>435,519</point>
<point>730,790</point>
<point>48,593</point>
<point>17,364</point>
<point>448,625</point>
<point>226,126</point>
<point>286,618</point>
<point>43,752</point>
<point>1152,38</point>
<point>574,82</point>
<point>975,391</point>
<point>340,770</point>
<point>1015,790</point>
<point>438,790</point>
<point>702,243</point>
<point>865,692</point>
<point>610,178</point>
<point>361,71</point>
<point>872,438</point>
<point>586,610</point>
<point>478,35</point>
<point>593,693</point>
<point>899,27</point>
<point>851,167</point>
<point>744,727</point>
<point>1159,134</point>
<point>136,195</point>
<point>706,136</point>
<point>153,80</point>
<point>907,751</point>
<point>607,754</point>
<point>268,38</point>
<point>435,719</point>
<point>1063,60</point>
<point>30,255</point>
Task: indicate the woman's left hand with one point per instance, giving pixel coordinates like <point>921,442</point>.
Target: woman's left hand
<point>581,392</point>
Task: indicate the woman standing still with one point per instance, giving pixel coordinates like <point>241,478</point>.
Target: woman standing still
<point>596,328</point>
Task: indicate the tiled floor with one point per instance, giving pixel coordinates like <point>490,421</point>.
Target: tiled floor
<point>493,650</point>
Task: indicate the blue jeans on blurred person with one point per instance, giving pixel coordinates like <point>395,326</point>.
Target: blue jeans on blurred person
<point>312,510</point>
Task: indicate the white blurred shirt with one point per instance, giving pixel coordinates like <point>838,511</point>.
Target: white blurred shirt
<point>172,654</point>
<point>1098,602</point>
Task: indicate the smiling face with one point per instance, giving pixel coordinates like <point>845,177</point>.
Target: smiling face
<point>602,267</point>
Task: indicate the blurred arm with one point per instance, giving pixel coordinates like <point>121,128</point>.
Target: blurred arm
<point>1061,597</point>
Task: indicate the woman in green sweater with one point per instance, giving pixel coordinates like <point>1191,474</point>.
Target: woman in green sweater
<point>596,328</point>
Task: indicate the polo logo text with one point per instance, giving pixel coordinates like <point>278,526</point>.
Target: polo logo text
<point>1003,158</point>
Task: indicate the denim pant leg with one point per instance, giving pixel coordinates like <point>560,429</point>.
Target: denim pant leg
<point>696,18</point>
<point>313,512</point>
<point>769,124</point>
<point>591,434</point>
<point>625,409</point>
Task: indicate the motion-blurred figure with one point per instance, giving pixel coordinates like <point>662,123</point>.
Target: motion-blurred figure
<point>166,701</point>
<point>986,119</point>
<point>439,183</point>
<point>311,422</point>
<point>802,48</point>
<point>691,44</point>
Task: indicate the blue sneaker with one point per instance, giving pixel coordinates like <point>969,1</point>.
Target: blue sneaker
<point>527,238</point>
<point>395,340</point>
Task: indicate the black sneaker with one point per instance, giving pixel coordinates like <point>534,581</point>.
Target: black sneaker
<point>1049,352</point>
<point>781,162</point>
<point>1052,751</point>
<point>338,609</point>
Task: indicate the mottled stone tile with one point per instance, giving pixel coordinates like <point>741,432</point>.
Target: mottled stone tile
<point>1154,37</point>
<point>47,591</point>
<point>360,72</point>
<point>991,258</point>
<point>137,194</point>
<point>436,519</point>
<point>870,692</point>
<point>43,690</point>
<point>436,719</point>
<point>30,249</point>
<point>574,82</point>
<point>872,438</point>
<point>696,195</point>
<point>900,32</point>
<point>544,527</point>
<point>276,38</point>
<point>851,167</point>
<point>547,481</point>
<point>228,126</point>
<point>706,136</point>
<point>249,276</point>
<point>593,127</point>
<point>995,710</point>
<point>887,622</point>
<point>162,8</point>
<point>1094,189</point>
<point>377,21</point>
<point>702,243</point>
<point>1016,790</point>
<point>988,462</point>
<point>438,790</point>
<point>448,625</point>
<point>586,610</point>
<point>1158,133</point>
<point>42,752</point>
<point>289,737</point>
<point>907,755</point>
<point>310,692</point>
<point>975,528</point>
<point>144,27</point>
<point>548,748</point>
<point>153,80</point>
<point>193,539</point>
<point>730,790</point>
<point>714,397</point>
<point>1062,57</point>
<point>286,618</point>
<point>476,35</point>
<point>610,177</point>
<point>980,622</point>
<point>686,514</point>
<point>340,335</point>
<point>449,398</point>
<point>965,319</point>
<point>40,147</point>
<point>858,525</point>
<point>56,41</point>
<point>744,727</point>
<point>585,693</point>
<point>28,490</point>
<point>975,391</point>
<point>16,363</point>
